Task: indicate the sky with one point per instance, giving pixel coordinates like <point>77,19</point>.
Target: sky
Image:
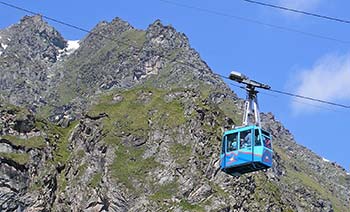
<point>236,35</point>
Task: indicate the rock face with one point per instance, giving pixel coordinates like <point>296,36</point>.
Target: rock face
<point>28,51</point>
<point>132,121</point>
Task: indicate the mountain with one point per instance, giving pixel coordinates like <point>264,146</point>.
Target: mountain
<point>131,120</point>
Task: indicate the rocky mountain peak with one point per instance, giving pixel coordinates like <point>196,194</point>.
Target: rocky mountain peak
<point>35,37</point>
<point>103,34</point>
<point>162,35</point>
<point>132,121</point>
<point>29,48</point>
<point>120,23</point>
<point>35,20</point>
<point>36,24</point>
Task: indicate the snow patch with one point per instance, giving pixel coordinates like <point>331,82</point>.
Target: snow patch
<point>326,160</point>
<point>72,46</point>
<point>348,173</point>
<point>4,46</point>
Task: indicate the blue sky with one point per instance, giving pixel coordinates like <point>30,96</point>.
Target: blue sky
<point>286,60</point>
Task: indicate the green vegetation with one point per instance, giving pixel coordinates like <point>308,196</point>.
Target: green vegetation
<point>132,114</point>
<point>81,170</point>
<point>304,177</point>
<point>321,190</point>
<point>181,153</point>
<point>80,154</point>
<point>218,190</point>
<point>228,108</point>
<point>95,180</point>
<point>62,181</point>
<point>136,37</point>
<point>36,186</point>
<point>109,53</point>
<point>344,179</point>
<point>21,112</point>
<point>20,158</point>
<point>185,205</point>
<point>44,112</point>
<point>62,152</point>
<point>165,191</point>
<point>33,142</point>
<point>59,137</point>
<point>266,188</point>
<point>129,165</point>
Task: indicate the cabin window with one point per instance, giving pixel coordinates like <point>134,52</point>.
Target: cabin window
<point>265,133</point>
<point>245,139</point>
<point>267,142</point>
<point>232,142</point>
<point>257,140</point>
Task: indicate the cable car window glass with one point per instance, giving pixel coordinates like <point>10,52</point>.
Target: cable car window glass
<point>267,142</point>
<point>265,133</point>
<point>257,138</point>
<point>266,139</point>
<point>245,139</point>
<point>232,143</point>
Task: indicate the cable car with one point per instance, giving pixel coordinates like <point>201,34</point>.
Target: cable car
<point>247,148</point>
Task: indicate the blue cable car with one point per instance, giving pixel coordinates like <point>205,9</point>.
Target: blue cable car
<point>247,148</point>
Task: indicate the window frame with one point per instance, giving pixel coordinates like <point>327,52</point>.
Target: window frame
<point>256,138</point>
<point>227,142</point>
<point>251,138</point>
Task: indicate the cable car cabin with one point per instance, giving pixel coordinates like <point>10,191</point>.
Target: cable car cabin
<point>245,150</point>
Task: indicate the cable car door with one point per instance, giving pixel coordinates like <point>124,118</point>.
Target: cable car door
<point>245,146</point>
<point>231,149</point>
<point>267,152</point>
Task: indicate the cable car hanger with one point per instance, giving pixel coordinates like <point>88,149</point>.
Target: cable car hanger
<point>251,106</point>
<point>247,148</point>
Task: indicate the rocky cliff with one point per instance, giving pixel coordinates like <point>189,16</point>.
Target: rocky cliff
<point>132,121</point>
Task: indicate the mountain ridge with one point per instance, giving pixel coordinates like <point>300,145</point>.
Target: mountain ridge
<point>134,123</point>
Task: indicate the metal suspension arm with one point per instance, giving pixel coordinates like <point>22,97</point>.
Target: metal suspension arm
<point>251,114</point>
<point>251,110</point>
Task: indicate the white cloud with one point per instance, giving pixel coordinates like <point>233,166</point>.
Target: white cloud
<point>300,4</point>
<point>328,79</point>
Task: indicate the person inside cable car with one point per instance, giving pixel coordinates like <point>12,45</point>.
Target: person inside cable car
<point>234,146</point>
<point>267,142</point>
<point>232,142</point>
<point>241,143</point>
<point>245,139</point>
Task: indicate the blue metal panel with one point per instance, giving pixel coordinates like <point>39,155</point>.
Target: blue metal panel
<point>250,158</point>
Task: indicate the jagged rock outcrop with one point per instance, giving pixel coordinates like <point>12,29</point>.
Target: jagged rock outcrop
<point>28,50</point>
<point>132,121</point>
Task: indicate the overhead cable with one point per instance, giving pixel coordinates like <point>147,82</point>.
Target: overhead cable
<point>293,99</point>
<point>298,11</point>
<point>310,98</point>
<point>297,95</point>
<point>61,22</point>
<point>283,28</point>
<point>222,76</point>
